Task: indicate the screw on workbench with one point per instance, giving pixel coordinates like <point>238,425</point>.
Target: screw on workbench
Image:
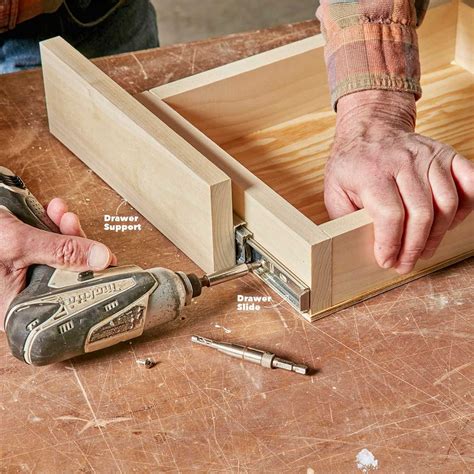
<point>147,363</point>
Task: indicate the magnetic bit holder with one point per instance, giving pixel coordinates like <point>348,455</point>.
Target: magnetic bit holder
<point>256,356</point>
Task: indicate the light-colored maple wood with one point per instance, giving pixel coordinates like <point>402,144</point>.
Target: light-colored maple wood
<point>464,55</point>
<point>253,93</point>
<point>236,106</point>
<point>284,83</point>
<point>445,113</point>
<point>382,287</point>
<point>266,123</point>
<point>278,226</point>
<point>437,35</point>
<point>354,269</point>
<point>298,149</point>
<point>289,152</point>
<point>157,171</point>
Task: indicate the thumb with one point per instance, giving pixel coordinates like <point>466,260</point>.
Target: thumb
<point>65,252</point>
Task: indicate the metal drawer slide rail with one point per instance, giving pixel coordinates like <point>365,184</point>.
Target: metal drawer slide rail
<point>272,272</point>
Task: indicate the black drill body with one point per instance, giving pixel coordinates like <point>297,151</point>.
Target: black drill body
<point>62,314</point>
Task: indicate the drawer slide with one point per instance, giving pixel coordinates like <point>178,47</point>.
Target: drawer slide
<point>272,272</point>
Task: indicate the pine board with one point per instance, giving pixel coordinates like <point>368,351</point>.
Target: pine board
<point>298,149</point>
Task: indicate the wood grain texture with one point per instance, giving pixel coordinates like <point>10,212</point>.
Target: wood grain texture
<point>298,149</point>
<point>445,113</point>
<point>354,269</point>
<point>253,93</point>
<point>279,227</point>
<point>405,356</point>
<point>289,153</point>
<point>385,285</point>
<point>269,114</point>
<point>437,36</point>
<point>464,55</point>
<point>283,84</point>
<point>272,112</point>
<point>162,176</point>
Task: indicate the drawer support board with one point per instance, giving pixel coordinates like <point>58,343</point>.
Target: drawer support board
<point>174,153</point>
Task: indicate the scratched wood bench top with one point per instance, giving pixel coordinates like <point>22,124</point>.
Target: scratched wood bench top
<point>394,375</point>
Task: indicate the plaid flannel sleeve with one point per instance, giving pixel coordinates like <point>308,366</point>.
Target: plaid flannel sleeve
<point>371,44</point>
<point>8,14</point>
<point>13,11</point>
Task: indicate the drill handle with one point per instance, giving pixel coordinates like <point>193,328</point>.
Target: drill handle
<point>17,199</point>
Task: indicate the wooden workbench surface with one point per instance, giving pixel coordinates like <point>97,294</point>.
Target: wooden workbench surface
<point>393,375</point>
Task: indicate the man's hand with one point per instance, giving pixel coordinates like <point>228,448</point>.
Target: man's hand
<point>414,188</point>
<point>22,245</point>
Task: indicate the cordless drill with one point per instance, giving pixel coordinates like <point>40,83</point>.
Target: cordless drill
<point>62,314</point>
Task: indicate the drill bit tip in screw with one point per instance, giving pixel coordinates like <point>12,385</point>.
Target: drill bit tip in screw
<point>229,274</point>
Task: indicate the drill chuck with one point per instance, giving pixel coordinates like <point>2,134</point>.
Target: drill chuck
<point>62,314</point>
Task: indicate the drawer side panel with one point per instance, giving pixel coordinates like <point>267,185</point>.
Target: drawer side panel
<point>177,189</point>
<point>355,271</point>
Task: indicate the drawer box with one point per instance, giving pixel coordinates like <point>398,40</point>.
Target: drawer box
<point>251,138</point>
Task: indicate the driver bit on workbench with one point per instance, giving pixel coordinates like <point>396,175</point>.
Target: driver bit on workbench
<point>256,356</point>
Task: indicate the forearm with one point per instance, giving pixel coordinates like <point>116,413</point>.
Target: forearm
<point>414,188</point>
<point>13,12</point>
<point>372,44</point>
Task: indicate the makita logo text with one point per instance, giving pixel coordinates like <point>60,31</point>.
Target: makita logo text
<point>93,293</point>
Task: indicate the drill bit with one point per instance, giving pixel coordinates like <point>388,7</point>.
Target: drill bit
<point>229,274</point>
<point>256,356</point>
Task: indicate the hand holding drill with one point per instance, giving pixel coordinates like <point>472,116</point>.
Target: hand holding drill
<point>22,245</point>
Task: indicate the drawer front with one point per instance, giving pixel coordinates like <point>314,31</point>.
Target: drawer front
<point>174,186</point>
<point>265,121</point>
<point>283,231</point>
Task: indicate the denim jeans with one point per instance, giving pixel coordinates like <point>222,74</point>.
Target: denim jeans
<point>130,27</point>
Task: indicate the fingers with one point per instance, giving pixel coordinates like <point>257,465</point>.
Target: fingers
<point>463,173</point>
<point>337,202</point>
<point>385,206</point>
<point>70,225</point>
<point>56,209</point>
<point>67,222</point>
<point>419,215</point>
<point>64,251</point>
<point>445,201</point>
<point>414,188</point>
